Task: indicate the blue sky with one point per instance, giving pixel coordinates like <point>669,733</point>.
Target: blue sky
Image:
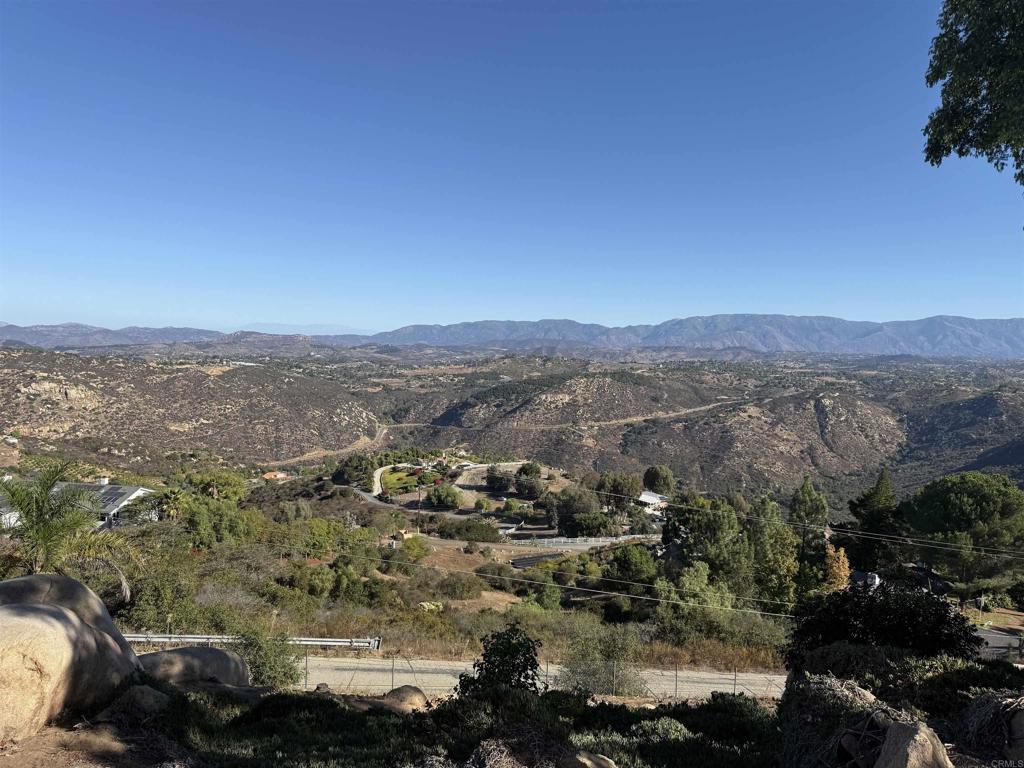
<point>373,164</point>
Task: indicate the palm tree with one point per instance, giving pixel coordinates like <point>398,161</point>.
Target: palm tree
<point>54,528</point>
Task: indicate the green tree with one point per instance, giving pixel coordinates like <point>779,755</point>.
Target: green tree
<point>509,661</point>
<point>659,479</point>
<point>529,469</point>
<point>971,510</point>
<point>708,531</point>
<point>498,481</point>
<point>774,549</point>
<point>876,512</point>
<point>888,615</point>
<point>445,496</point>
<point>808,511</point>
<point>579,513</point>
<point>529,486</point>
<point>54,528</point>
<point>220,484</point>
<point>618,490</point>
<point>482,505</point>
<point>978,57</point>
<point>631,563</point>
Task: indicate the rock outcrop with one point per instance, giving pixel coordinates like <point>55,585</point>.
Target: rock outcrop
<point>832,722</point>
<point>53,589</point>
<point>52,661</point>
<point>196,665</point>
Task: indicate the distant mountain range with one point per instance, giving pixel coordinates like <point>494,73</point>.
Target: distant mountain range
<point>940,336</point>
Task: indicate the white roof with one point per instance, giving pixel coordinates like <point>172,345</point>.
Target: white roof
<point>650,497</point>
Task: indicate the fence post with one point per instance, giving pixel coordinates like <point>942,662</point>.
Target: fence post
<point>307,668</point>
<point>392,673</point>
<point>676,686</point>
<point>734,680</point>
<point>614,686</point>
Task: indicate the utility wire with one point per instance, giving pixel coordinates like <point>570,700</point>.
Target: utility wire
<point>996,552</point>
<point>578,589</point>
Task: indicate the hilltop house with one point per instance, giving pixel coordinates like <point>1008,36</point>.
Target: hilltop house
<point>109,500</point>
<point>652,501</point>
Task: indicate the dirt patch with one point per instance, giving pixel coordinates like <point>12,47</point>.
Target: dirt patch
<point>101,746</point>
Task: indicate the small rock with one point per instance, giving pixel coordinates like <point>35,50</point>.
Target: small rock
<point>139,704</point>
<point>322,688</point>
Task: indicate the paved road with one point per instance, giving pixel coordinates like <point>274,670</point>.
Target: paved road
<point>1000,643</point>
<point>377,675</point>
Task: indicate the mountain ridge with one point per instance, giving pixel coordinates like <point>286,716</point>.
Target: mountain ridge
<point>936,336</point>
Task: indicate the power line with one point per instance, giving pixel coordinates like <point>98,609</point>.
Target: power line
<point>996,552</point>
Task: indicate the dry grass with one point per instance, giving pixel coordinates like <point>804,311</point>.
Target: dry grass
<point>710,653</point>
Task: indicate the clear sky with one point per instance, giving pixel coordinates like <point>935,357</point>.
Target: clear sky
<point>374,164</point>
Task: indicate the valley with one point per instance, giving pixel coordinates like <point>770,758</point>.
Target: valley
<point>759,426</point>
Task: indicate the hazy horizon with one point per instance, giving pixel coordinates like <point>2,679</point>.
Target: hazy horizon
<point>375,165</point>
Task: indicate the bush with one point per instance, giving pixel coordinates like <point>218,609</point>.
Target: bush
<point>497,576</point>
<point>604,662</point>
<point>272,660</point>
<point>888,615</point>
<point>508,661</point>
<point>470,529</point>
<point>460,586</point>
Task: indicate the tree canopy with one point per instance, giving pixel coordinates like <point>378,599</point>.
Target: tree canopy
<point>659,479</point>
<point>978,57</point>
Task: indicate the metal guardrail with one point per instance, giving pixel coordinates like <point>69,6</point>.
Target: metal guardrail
<point>359,643</point>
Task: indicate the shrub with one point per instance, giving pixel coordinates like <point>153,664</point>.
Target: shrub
<point>888,615</point>
<point>508,661</point>
<point>469,529</point>
<point>497,575</point>
<point>460,586</point>
<point>604,662</point>
<point>272,660</point>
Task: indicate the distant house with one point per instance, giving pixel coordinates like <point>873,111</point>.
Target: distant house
<point>868,579</point>
<point>110,499</point>
<point>276,476</point>
<point>10,440</point>
<point>652,500</point>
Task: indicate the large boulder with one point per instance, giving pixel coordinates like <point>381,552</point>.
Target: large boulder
<point>51,661</point>
<point>405,699</point>
<point>912,745</point>
<point>53,589</point>
<point>196,665</point>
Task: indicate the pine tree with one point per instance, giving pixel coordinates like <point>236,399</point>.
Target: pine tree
<point>774,551</point>
<point>876,511</point>
<point>809,512</point>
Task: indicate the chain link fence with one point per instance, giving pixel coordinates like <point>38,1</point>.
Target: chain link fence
<point>439,678</point>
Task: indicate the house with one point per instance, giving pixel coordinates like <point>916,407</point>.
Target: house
<point>276,476</point>
<point>10,440</point>
<point>651,500</point>
<point>868,579</point>
<point>109,500</point>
